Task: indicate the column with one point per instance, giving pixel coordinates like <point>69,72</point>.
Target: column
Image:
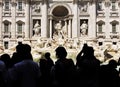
<point>13,14</point>
<point>69,29</point>
<point>50,28</point>
<point>31,24</point>
<point>66,27</point>
<point>75,20</point>
<point>1,4</point>
<point>44,21</point>
<point>27,20</point>
<point>92,20</point>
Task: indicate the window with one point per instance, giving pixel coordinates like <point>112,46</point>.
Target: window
<point>100,6</point>
<point>20,5</point>
<point>19,43</point>
<point>99,28</point>
<point>100,43</point>
<point>19,28</point>
<point>113,5</point>
<point>114,43</point>
<point>113,28</point>
<point>6,28</point>
<point>6,5</point>
<point>6,45</point>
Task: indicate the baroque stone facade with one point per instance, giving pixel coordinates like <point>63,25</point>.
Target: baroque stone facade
<point>87,20</point>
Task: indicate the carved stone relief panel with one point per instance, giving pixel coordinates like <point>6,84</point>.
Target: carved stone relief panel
<point>36,7</point>
<point>83,6</point>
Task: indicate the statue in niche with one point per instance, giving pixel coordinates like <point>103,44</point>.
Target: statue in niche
<point>83,28</point>
<point>58,29</point>
<point>37,29</point>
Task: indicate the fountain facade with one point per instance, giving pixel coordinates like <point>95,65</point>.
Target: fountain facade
<point>46,24</point>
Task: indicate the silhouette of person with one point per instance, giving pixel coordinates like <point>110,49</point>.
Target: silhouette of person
<point>109,76</point>
<point>63,68</point>
<point>49,60</point>
<point>25,73</point>
<point>80,54</point>
<point>45,68</point>
<point>18,55</point>
<point>3,74</point>
<point>6,59</point>
<point>88,68</point>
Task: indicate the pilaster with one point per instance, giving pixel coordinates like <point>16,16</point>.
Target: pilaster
<point>27,17</point>
<point>13,14</point>
<point>69,28</point>
<point>107,15</point>
<point>92,20</point>
<point>75,21</point>
<point>44,21</point>
<point>50,28</point>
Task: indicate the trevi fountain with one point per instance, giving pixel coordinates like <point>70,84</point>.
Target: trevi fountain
<point>73,45</point>
<point>47,24</point>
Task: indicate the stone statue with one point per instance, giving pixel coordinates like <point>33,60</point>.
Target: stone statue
<point>83,28</point>
<point>37,29</point>
<point>58,28</point>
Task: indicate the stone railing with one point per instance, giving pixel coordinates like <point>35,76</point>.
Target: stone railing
<point>20,34</point>
<point>6,34</point>
<point>6,12</point>
<point>114,35</point>
<point>100,34</point>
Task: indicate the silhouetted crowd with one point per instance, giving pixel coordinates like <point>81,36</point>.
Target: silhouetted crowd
<point>21,71</point>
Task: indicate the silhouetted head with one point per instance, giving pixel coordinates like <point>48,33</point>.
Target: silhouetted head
<point>5,57</point>
<point>84,47</point>
<point>89,51</point>
<point>112,63</point>
<point>61,52</point>
<point>27,48</point>
<point>47,54</point>
<point>19,48</point>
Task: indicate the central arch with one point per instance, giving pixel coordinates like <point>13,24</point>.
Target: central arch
<point>60,14</point>
<point>60,11</point>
